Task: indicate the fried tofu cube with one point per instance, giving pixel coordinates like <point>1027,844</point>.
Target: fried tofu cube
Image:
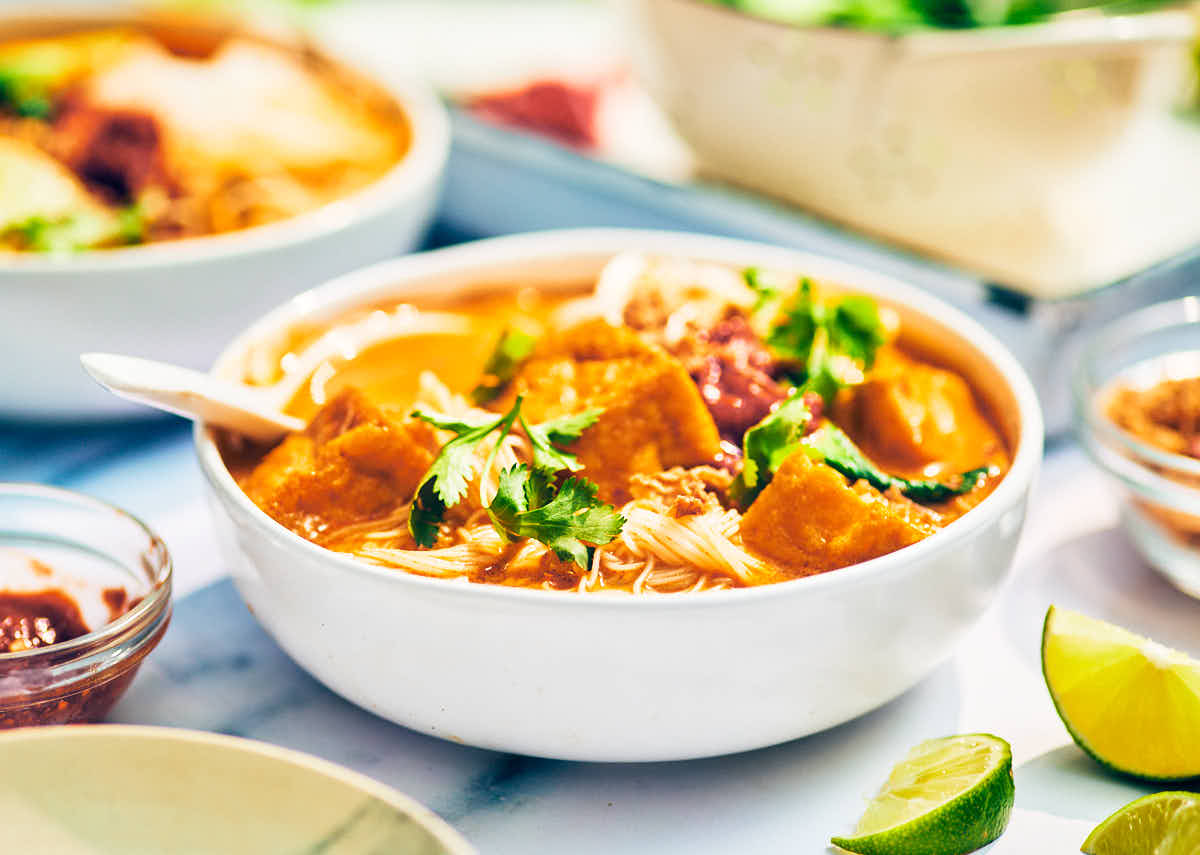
<point>911,416</point>
<point>653,419</point>
<point>353,464</point>
<point>809,520</point>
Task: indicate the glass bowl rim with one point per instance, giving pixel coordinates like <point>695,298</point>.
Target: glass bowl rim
<point>152,605</point>
<point>1117,451</point>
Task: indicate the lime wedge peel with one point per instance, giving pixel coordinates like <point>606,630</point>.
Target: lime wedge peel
<point>1161,824</point>
<point>1129,702</point>
<point>950,796</point>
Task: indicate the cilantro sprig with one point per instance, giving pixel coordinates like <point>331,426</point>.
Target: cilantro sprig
<point>785,431</point>
<point>828,343</point>
<point>510,353</point>
<point>445,484</point>
<point>529,501</point>
<point>567,520</point>
<point>830,444</point>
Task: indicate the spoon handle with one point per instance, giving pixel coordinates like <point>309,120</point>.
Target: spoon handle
<point>191,394</point>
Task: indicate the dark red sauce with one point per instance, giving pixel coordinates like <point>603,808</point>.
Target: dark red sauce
<point>117,601</point>
<point>30,619</point>
<point>562,111</point>
<point>43,620</point>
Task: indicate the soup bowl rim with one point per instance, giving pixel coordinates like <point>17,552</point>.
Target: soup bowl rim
<point>389,279</point>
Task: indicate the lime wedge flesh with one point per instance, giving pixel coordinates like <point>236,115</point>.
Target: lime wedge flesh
<point>1161,824</point>
<point>1129,702</point>
<point>948,796</point>
<point>1183,834</point>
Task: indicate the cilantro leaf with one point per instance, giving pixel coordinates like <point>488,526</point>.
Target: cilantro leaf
<point>830,444</point>
<point>564,429</point>
<point>426,514</point>
<point>855,329</point>
<point>453,423</point>
<point>511,351</point>
<point>513,493</point>
<point>767,297</point>
<point>766,445</point>
<point>75,232</point>
<point>570,427</point>
<point>445,483</point>
<point>25,93</point>
<point>794,333</point>
<point>131,225</point>
<point>569,522</point>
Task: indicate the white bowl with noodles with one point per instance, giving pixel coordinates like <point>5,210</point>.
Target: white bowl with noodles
<point>180,299</point>
<point>617,677</point>
<point>137,789</point>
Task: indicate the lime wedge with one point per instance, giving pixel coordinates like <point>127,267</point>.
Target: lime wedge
<point>1131,703</point>
<point>1161,824</point>
<point>1183,834</point>
<point>947,797</point>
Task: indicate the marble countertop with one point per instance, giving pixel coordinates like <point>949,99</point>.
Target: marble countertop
<point>217,670</point>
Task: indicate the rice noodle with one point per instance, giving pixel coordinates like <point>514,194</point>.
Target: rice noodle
<point>655,553</point>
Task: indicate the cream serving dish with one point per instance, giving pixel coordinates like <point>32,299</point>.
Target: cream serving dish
<point>1024,154</point>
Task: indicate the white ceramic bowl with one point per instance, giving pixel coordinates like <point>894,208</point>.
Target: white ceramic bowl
<point>968,144</point>
<point>181,300</point>
<point>122,790</point>
<point>615,678</point>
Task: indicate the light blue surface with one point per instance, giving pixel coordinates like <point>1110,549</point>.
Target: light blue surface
<point>139,465</point>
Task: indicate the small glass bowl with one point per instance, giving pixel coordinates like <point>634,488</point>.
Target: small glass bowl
<point>1160,490</point>
<point>94,546</point>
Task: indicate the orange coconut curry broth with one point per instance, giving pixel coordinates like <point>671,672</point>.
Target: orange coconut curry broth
<point>677,438</point>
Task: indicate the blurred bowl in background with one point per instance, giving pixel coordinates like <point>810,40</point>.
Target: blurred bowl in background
<point>181,299</point>
<point>965,144</point>
<point>1159,489</point>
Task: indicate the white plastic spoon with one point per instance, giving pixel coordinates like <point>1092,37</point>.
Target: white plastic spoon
<point>257,411</point>
<point>248,410</point>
